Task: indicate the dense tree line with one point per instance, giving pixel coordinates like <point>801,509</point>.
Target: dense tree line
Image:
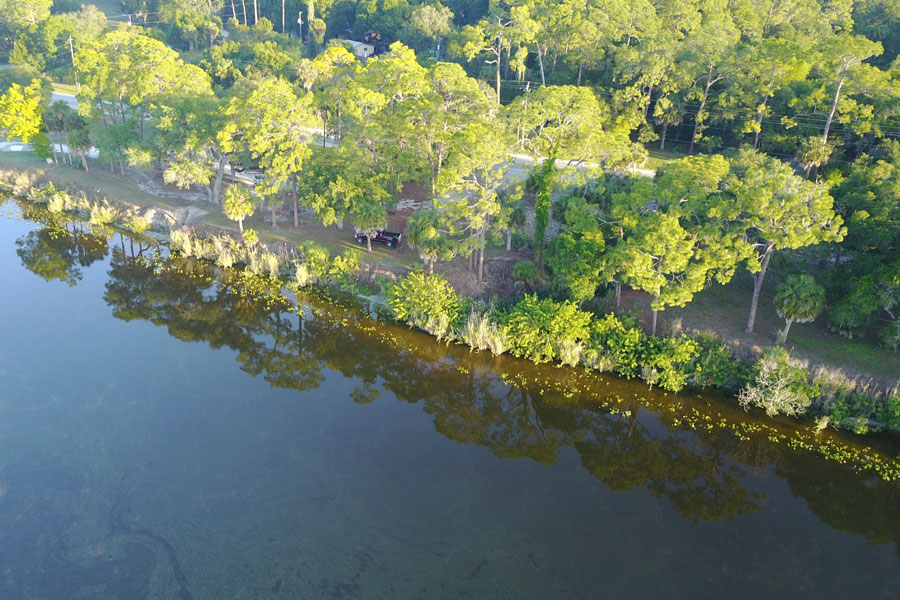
<point>802,94</point>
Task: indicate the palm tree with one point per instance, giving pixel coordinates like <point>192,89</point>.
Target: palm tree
<point>800,299</point>
<point>62,118</point>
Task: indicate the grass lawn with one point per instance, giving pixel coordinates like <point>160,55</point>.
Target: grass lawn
<point>724,309</point>
<point>660,157</point>
<point>108,7</point>
<point>109,185</point>
<point>64,88</point>
<point>100,180</point>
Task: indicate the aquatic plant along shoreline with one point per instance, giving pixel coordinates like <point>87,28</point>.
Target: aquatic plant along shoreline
<point>540,330</point>
<point>563,386</point>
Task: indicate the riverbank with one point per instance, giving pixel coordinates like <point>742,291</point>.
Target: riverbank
<point>539,330</point>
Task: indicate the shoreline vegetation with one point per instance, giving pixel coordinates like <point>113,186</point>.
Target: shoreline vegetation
<point>539,330</point>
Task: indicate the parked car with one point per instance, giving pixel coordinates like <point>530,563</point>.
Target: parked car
<point>388,238</point>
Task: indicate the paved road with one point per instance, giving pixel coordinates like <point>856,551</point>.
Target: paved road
<point>67,98</point>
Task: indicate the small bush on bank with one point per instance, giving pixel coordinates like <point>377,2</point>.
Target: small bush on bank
<point>718,367</point>
<point>427,302</point>
<point>545,330</point>
<point>853,404</point>
<point>779,387</point>
<point>319,267</point>
<point>615,346</point>
<point>482,332</point>
<point>669,362</point>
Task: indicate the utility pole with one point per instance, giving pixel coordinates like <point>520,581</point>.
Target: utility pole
<point>72,54</point>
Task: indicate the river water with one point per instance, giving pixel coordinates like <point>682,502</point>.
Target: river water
<point>166,434</point>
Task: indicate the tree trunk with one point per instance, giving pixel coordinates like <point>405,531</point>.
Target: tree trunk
<point>653,327</point>
<point>217,183</point>
<point>759,119</point>
<point>340,223</point>
<point>272,208</point>
<point>541,62</point>
<point>282,17</point>
<point>481,256</point>
<point>244,5</point>
<point>508,240</point>
<point>431,266</point>
<point>758,279</point>
<point>68,152</point>
<point>618,294</point>
<point>255,12</point>
<point>782,337</point>
<point>762,110</point>
<point>499,53</point>
<point>296,212</point>
<point>340,131</point>
<point>709,83</point>
<point>834,103</point>
<point>241,225</point>
<point>52,146</point>
<point>662,139</point>
<point>84,161</point>
<point>369,243</point>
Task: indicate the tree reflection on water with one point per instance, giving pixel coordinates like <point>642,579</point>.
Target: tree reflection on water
<point>503,404</point>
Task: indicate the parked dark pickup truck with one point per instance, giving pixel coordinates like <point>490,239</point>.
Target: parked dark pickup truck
<point>388,238</point>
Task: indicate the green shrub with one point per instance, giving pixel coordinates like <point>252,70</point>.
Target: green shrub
<point>525,272</point>
<point>427,302</point>
<point>669,362</point>
<point>545,330</point>
<point>854,311</point>
<point>888,410</point>
<point>779,387</point>
<point>318,266</point>
<point>718,367</point>
<point>889,337</point>
<point>615,346</point>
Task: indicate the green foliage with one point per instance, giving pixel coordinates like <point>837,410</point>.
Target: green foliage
<point>799,298</point>
<point>718,367</point>
<point>615,346</point>
<point>21,111</point>
<point>854,404</point>
<point>779,387</point>
<point>427,232</point>
<point>320,267</point>
<point>427,302</point>
<point>525,272</point>
<point>889,336</point>
<point>669,362</point>
<point>576,264</point>
<point>237,204</point>
<point>545,330</point>
<point>854,312</point>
